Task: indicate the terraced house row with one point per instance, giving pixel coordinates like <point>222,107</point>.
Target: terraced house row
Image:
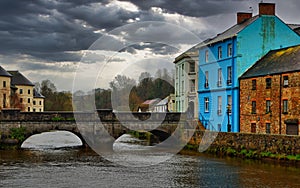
<point>224,97</point>
<point>17,92</point>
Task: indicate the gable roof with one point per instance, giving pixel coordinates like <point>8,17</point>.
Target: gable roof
<point>19,79</point>
<point>229,33</point>
<point>3,72</point>
<point>276,62</point>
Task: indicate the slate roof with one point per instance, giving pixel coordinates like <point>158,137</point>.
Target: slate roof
<point>19,79</point>
<point>37,94</point>
<point>229,33</point>
<point>3,72</point>
<point>295,27</point>
<point>276,62</point>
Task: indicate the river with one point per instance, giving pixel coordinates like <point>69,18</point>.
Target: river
<point>77,167</point>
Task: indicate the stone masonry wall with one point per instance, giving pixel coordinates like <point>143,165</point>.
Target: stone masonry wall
<point>276,144</point>
<point>276,94</point>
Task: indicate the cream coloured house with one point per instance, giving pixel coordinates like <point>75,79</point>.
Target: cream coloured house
<point>5,90</point>
<point>17,92</point>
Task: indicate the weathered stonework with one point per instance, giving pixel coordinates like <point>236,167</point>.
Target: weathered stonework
<point>276,94</point>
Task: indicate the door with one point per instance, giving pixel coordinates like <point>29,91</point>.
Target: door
<point>292,129</point>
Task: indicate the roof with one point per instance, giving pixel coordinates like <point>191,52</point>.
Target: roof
<point>276,62</point>
<point>229,33</point>
<point>19,79</point>
<point>294,26</point>
<point>3,72</point>
<point>151,102</point>
<point>192,52</point>
<point>37,94</point>
<point>163,102</point>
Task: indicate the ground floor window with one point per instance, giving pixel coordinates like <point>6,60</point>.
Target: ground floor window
<point>268,128</point>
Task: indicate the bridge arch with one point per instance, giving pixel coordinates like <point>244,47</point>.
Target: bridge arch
<point>52,139</point>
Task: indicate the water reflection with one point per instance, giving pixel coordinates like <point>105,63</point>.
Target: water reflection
<point>84,168</point>
<point>52,140</point>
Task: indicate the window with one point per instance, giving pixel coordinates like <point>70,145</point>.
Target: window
<point>34,110</point>
<point>192,85</point>
<point>40,102</point>
<point>177,72</point>
<point>192,67</point>
<point>206,79</point>
<point>219,127</point>
<point>177,89</point>
<point>4,100</point>
<point>4,83</point>
<point>268,106</point>
<point>285,106</point>
<point>21,91</point>
<point>21,100</point>
<point>268,128</point>
<point>229,75</point>
<point>253,127</point>
<point>229,50</point>
<point>40,109</point>
<point>28,109</point>
<point>219,105</point>
<point>253,84</point>
<point>219,77</point>
<point>34,103</point>
<point>253,107</point>
<point>220,52</point>
<point>182,87</point>
<point>268,83</point>
<point>182,69</point>
<point>28,100</point>
<point>206,56</point>
<point>285,81</point>
<point>206,104</point>
<point>28,91</point>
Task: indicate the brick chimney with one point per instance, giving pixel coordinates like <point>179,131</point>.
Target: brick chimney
<point>266,9</point>
<point>243,16</point>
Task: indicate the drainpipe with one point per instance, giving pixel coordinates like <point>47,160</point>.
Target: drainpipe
<point>280,99</point>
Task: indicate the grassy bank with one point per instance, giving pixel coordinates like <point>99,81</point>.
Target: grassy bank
<point>192,149</point>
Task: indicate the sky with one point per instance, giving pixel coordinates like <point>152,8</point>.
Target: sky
<point>85,44</point>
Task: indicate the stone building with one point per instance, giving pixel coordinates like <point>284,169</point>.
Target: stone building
<point>17,92</point>
<point>224,58</point>
<point>270,94</point>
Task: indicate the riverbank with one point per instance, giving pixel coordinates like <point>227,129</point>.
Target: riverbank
<point>270,148</point>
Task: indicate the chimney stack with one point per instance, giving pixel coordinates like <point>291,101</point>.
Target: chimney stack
<point>243,16</point>
<point>266,9</point>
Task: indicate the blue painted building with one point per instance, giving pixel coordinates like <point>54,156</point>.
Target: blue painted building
<point>227,56</point>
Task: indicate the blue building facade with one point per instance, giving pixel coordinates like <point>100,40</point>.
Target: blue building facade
<point>223,59</point>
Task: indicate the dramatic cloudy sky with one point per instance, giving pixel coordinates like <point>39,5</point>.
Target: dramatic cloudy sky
<point>47,39</point>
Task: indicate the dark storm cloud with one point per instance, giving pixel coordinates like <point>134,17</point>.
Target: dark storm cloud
<point>201,8</point>
<point>43,28</point>
<point>155,48</point>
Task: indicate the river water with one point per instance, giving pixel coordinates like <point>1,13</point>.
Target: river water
<point>44,166</point>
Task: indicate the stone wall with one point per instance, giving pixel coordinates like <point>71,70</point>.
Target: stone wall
<point>276,144</point>
<point>276,94</point>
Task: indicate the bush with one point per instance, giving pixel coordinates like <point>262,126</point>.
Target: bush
<point>18,133</point>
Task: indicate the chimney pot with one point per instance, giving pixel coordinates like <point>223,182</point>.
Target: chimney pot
<point>243,16</point>
<point>266,8</point>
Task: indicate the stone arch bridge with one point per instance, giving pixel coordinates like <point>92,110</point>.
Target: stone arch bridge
<point>40,122</point>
